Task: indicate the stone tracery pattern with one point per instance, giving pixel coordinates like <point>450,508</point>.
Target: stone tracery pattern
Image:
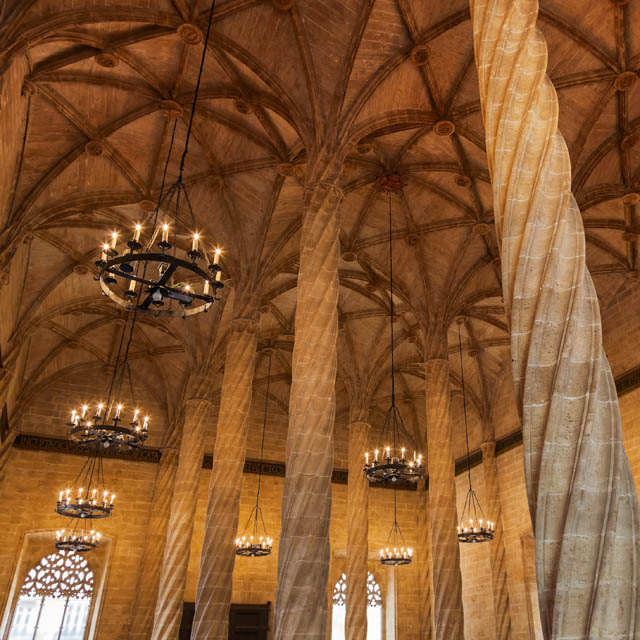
<point>581,492</point>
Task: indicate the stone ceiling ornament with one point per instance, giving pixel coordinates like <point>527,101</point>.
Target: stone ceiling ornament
<point>444,128</point>
<point>88,500</point>
<point>106,59</point>
<point>391,463</point>
<point>254,542</point>
<point>158,280</point>
<point>473,527</point>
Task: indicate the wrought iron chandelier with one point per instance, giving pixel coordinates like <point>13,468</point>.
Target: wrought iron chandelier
<point>395,552</point>
<point>473,526</point>
<point>87,500</point>
<point>77,538</point>
<point>392,463</point>
<point>155,279</point>
<point>254,542</point>
<point>106,423</point>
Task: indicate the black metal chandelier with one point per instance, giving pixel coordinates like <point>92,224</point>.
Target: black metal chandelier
<point>106,423</point>
<point>473,526</point>
<point>78,538</point>
<point>87,499</point>
<point>395,552</point>
<point>392,463</point>
<point>254,542</point>
<point>156,279</point>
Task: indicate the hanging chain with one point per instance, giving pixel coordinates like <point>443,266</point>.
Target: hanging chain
<point>464,405</point>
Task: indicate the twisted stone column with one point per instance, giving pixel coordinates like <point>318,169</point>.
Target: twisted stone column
<point>303,557</point>
<point>173,576</point>
<point>141,623</point>
<point>493,512</point>
<point>221,525</point>
<point>445,554</point>
<point>357,534</point>
<point>5,451</point>
<point>581,492</point>
<point>423,562</point>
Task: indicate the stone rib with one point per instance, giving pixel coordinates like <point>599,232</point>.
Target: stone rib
<point>175,562</point>
<point>5,451</point>
<point>357,534</point>
<point>156,536</point>
<point>213,598</point>
<point>581,492</point>
<point>445,554</point>
<point>423,562</point>
<point>303,557</point>
<point>493,511</point>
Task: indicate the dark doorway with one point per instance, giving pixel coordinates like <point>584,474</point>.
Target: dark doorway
<point>246,621</point>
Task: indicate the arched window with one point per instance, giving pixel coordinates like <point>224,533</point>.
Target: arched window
<point>54,599</point>
<point>374,609</point>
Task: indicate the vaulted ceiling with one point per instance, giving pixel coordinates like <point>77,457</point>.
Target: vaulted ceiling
<point>393,81</point>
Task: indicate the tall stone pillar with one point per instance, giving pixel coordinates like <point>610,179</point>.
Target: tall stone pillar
<point>423,562</point>
<point>175,562</point>
<point>357,534</point>
<point>497,551</point>
<point>142,614</point>
<point>221,526</point>
<point>581,491</point>
<point>445,554</point>
<point>303,557</point>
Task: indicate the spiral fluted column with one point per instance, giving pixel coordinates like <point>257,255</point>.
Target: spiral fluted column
<point>445,555</point>
<point>423,562</point>
<point>357,534</point>
<point>221,525</point>
<point>173,577</point>
<point>493,511</point>
<point>581,492</point>
<point>142,613</point>
<point>303,556</point>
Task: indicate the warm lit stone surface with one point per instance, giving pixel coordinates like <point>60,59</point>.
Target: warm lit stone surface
<point>221,526</point>
<point>581,491</point>
<point>303,556</point>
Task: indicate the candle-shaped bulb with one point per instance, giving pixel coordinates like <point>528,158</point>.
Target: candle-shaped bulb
<point>165,232</point>
<point>132,285</point>
<point>375,455</point>
<point>99,409</point>
<point>187,288</point>
<point>80,490</point>
<point>136,233</point>
<point>194,244</point>
<point>118,411</point>
<point>218,276</point>
<point>366,458</point>
<point>105,248</point>
<point>114,239</point>
<point>388,452</point>
<point>216,256</point>
<point>136,413</point>
<point>60,497</point>
<point>113,497</point>
<point>402,456</point>
<point>145,424</point>
<point>74,413</point>
<point>206,288</point>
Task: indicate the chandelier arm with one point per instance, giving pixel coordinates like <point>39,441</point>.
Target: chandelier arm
<point>197,89</point>
<point>464,405</point>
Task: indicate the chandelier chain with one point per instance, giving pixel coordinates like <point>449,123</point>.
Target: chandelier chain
<point>264,428</point>
<point>464,404</point>
<point>195,93</point>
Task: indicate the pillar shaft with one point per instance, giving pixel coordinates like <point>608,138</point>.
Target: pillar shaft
<point>303,556</point>
<point>221,526</point>
<point>581,491</point>
<point>423,562</point>
<point>155,536</point>
<point>357,534</point>
<point>445,554</point>
<point>493,511</point>
<point>173,576</point>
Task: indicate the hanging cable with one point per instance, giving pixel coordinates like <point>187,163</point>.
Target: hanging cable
<point>464,404</point>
